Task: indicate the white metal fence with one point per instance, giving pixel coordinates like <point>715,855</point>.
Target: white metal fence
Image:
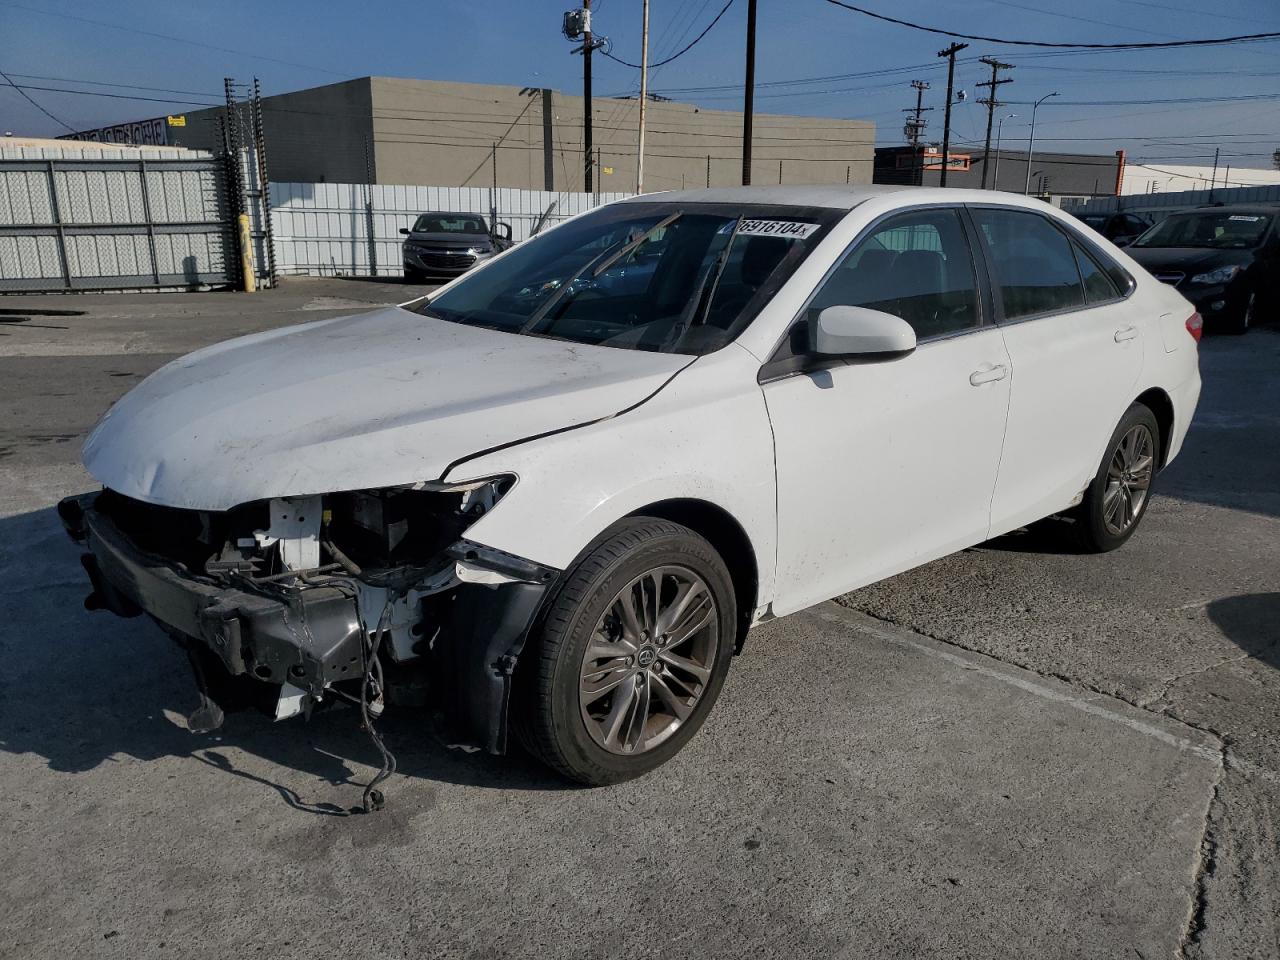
<point>99,221</point>
<point>1166,203</point>
<point>352,229</point>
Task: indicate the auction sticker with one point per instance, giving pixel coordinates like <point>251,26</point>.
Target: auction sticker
<point>789,229</point>
<point>1242,219</point>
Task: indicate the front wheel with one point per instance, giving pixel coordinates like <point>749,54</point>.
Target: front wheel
<point>1242,321</point>
<point>631,655</point>
<point>1117,499</point>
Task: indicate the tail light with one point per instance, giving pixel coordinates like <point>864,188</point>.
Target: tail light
<point>1195,326</point>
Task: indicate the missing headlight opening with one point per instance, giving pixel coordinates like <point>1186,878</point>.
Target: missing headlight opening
<point>373,597</point>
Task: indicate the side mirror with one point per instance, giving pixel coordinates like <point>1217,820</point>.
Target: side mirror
<point>502,231</point>
<point>857,331</point>
<point>405,230</point>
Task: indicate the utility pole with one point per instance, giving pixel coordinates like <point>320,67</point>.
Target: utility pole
<point>644,92</point>
<point>1213,182</point>
<point>914,130</point>
<point>991,103</point>
<point>749,95</point>
<point>588,44</point>
<point>950,54</point>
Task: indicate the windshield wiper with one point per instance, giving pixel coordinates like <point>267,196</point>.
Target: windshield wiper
<point>697,307</point>
<point>601,263</point>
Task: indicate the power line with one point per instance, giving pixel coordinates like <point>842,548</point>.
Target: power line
<point>31,100</point>
<point>120,86</point>
<point>693,43</point>
<point>1146,45</point>
<point>111,96</point>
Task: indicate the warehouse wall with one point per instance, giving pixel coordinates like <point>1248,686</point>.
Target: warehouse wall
<point>442,133</point>
<point>318,134</point>
<point>1075,174</point>
<point>439,133</point>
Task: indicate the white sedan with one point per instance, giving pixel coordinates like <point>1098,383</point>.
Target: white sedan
<point>553,497</point>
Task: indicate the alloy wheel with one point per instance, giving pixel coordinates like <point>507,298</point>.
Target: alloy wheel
<point>649,660</point>
<point>1128,479</point>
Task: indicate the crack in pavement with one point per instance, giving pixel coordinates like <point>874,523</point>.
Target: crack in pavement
<point>1206,858</point>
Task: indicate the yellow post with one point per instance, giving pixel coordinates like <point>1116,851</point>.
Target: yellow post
<point>246,255</point>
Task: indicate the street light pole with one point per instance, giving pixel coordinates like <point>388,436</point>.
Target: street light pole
<point>995,176</point>
<point>1031,145</point>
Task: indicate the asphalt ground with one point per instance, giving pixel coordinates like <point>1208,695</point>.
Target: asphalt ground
<point>1017,751</point>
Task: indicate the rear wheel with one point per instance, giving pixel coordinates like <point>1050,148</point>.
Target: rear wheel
<point>632,654</point>
<point>1117,499</point>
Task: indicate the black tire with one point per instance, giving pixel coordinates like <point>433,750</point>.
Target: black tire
<point>1094,534</point>
<point>1243,318</point>
<point>551,724</point>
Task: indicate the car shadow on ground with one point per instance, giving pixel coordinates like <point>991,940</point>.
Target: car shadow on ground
<point>1252,622</point>
<point>80,689</point>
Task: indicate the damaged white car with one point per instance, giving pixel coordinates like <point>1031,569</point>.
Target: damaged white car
<point>553,496</point>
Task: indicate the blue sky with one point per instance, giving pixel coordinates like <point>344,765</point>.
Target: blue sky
<point>290,45</point>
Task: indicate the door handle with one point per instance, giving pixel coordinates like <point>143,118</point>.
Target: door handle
<point>1126,333</point>
<point>988,374</point>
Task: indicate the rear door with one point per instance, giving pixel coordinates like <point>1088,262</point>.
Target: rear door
<point>1076,354</point>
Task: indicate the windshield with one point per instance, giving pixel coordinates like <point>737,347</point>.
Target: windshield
<point>1236,231</point>
<point>449,223</point>
<point>642,276</point>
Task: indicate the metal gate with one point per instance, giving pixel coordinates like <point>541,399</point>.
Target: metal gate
<point>113,224</point>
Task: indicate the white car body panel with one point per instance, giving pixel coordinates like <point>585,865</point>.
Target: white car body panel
<point>383,399</point>
<point>1071,379</point>
<point>704,437</point>
<point>884,466</point>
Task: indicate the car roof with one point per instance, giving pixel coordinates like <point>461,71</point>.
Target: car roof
<point>836,197</point>
<point>449,213</point>
<point>1259,208</point>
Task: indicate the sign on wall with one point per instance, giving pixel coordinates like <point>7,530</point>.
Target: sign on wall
<point>152,133</point>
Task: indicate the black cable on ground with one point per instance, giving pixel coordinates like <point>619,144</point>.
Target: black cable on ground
<point>372,799</point>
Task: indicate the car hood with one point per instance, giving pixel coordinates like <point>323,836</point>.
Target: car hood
<point>1188,259</point>
<point>382,399</point>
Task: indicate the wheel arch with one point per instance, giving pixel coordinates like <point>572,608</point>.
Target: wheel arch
<point>723,531</point>
<point>1160,404</point>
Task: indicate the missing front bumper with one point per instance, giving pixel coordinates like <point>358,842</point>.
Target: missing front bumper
<point>310,637</point>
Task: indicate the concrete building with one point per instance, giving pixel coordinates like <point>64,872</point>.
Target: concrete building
<point>1053,175</point>
<point>1172,178</point>
<point>395,131</point>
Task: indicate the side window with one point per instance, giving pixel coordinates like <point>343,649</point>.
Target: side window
<point>1035,269</point>
<point>1098,287</point>
<point>1134,225</point>
<point>917,266</point>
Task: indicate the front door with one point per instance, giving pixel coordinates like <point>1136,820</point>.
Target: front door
<point>885,465</point>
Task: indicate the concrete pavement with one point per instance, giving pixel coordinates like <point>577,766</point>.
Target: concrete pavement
<point>1013,752</point>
